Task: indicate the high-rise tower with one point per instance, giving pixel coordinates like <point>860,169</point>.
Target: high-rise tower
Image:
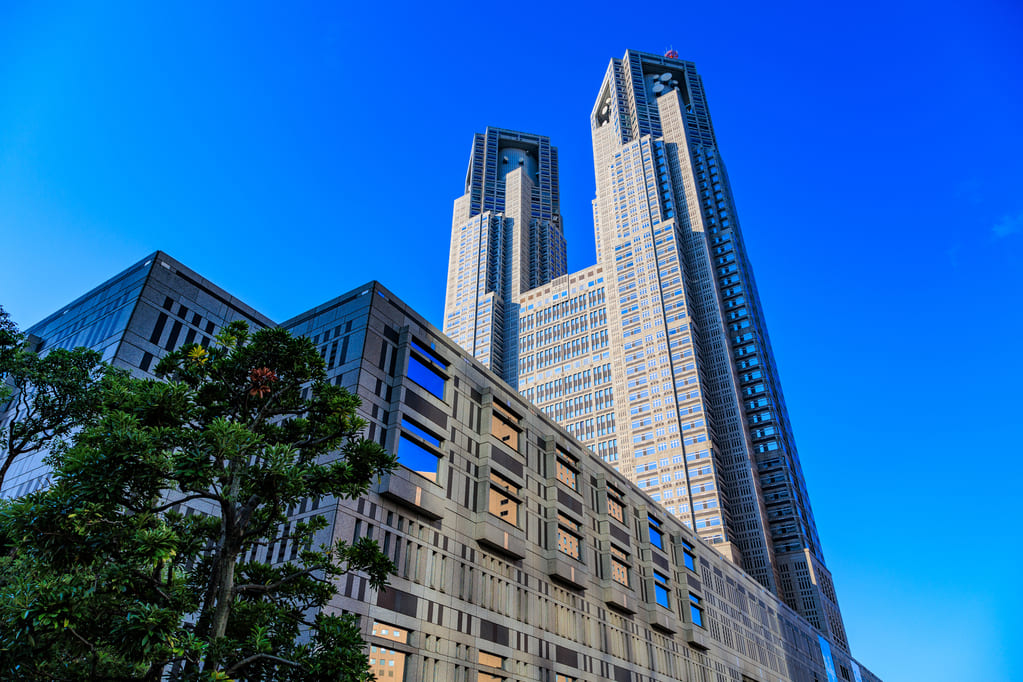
<point>506,238</point>
<point>691,342</point>
<point>657,358</point>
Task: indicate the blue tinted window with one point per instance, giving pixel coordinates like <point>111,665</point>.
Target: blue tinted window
<point>428,352</point>
<point>656,537</point>
<point>695,611</point>
<point>422,433</point>
<point>425,376</point>
<point>688,556</point>
<point>661,589</point>
<point>417,458</point>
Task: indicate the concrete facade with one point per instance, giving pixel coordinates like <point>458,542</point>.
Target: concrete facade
<point>521,555</point>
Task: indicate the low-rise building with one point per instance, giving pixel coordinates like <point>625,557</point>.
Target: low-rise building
<point>520,554</point>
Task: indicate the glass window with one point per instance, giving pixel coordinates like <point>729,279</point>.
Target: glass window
<point>387,663</point>
<point>492,660</point>
<point>417,458</point>
<point>567,466</point>
<point>505,427</point>
<point>502,503</point>
<point>656,536</point>
<point>619,566</point>
<point>428,352</point>
<point>695,609</point>
<point>426,376</point>
<point>412,427</point>
<point>687,556</point>
<point>615,507</point>
<point>661,589</point>
<point>568,536</point>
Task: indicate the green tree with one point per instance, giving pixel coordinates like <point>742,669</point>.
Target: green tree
<point>45,396</point>
<point>105,577</point>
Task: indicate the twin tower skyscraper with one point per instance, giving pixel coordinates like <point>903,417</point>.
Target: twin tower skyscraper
<point>657,357</point>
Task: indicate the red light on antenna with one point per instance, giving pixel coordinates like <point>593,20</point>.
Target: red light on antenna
<point>671,54</point>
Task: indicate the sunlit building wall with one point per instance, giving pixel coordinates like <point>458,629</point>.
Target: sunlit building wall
<point>690,332</point>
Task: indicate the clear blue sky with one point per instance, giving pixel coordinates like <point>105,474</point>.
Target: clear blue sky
<point>875,149</point>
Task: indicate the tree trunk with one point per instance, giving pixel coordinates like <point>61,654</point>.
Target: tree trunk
<point>11,454</point>
<point>223,577</point>
<point>8,461</point>
<point>227,559</point>
<point>225,595</point>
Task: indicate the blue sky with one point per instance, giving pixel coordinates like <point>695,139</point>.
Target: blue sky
<point>875,149</point>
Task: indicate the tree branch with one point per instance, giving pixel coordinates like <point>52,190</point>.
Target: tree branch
<point>263,589</point>
<point>189,498</point>
<point>83,640</point>
<point>261,415</point>
<point>255,657</point>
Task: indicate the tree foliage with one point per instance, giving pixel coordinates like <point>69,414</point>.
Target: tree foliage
<point>105,575</point>
<point>45,396</point>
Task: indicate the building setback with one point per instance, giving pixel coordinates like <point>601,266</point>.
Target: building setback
<point>657,358</point>
<point>520,555</point>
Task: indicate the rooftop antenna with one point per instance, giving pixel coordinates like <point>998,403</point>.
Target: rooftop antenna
<point>671,53</point>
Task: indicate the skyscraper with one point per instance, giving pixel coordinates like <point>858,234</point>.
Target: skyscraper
<point>658,358</point>
<point>506,238</point>
<point>665,220</point>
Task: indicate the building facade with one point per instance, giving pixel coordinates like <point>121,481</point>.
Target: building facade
<point>565,364</point>
<point>133,320</point>
<point>506,238</point>
<point>520,555</point>
<point>661,364</point>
